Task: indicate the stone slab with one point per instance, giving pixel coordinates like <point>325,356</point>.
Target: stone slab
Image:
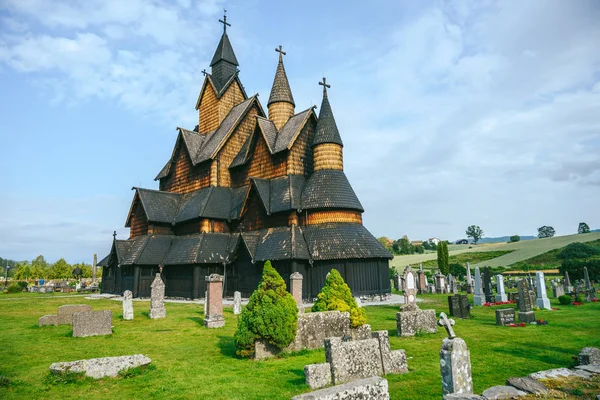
<point>47,320</point>
<point>591,368</point>
<point>212,321</point>
<point>65,313</point>
<point>317,375</point>
<point>505,316</point>
<point>353,360</point>
<point>526,317</point>
<point>100,367</point>
<point>589,355</point>
<point>374,388</point>
<point>156,313</point>
<point>92,323</point>
<point>527,385</point>
<point>462,396</point>
<point>560,372</point>
<point>502,392</point>
<point>411,322</point>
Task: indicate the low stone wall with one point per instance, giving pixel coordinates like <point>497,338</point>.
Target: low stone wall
<point>375,388</point>
<point>313,329</point>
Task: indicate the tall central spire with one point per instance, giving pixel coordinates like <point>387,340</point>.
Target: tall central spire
<point>281,102</point>
<point>224,63</point>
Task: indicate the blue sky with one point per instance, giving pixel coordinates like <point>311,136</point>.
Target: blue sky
<point>452,113</point>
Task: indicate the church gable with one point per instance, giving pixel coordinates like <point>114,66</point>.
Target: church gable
<point>183,176</point>
<point>300,157</point>
<point>214,104</point>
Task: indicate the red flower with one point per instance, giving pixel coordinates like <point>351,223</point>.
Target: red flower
<point>512,325</point>
<point>522,324</point>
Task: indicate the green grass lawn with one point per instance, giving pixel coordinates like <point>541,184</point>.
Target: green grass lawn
<point>519,251</point>
<point>194,362</point>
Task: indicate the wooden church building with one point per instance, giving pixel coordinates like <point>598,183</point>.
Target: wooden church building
<point>244,186</point>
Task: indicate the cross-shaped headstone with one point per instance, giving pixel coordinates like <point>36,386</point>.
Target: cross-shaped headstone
<point>325,86</point>
<point>280,51</point>
<point>447,323</point>
<point>224,21</point>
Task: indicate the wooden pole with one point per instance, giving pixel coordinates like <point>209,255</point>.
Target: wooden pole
<point>94,268</point>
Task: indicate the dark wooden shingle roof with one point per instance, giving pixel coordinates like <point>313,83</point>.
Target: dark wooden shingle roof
<point>327,130</point>
<point>329,189</point>
<point>281,87</point>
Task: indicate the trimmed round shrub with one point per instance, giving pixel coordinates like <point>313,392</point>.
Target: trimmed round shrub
<point>271,315</point>
<point>565,299</point>
<point>336,295</point>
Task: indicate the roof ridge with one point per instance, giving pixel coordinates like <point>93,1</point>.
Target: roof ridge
<point>141,250</point>
<point>210,192</point>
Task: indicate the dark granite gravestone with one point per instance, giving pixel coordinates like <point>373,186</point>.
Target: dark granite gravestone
<point>487,285</point>
<point>459,306</point>
<point>505,316</point>
<point>526,313</point>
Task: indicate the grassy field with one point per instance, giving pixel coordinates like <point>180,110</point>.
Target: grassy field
<point>194,362</point>
<point>519,251</point>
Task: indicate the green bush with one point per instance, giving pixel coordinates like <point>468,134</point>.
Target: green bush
<point>579,299</point>
<point>23,285</point>
<point>565,299</point>
<point>271,315</point>
<point>514,239</point>
<point>336,295</point>
<point>14,288</point>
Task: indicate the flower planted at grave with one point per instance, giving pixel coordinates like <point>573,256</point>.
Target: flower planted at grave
<point>336,295</point>
<point>271,315</point>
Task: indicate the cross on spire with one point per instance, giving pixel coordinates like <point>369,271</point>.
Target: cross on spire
<point>114,234</point>
<point>280,51</point>
<point>325,86</point>
<point>447,323</point>
<point>204,72</point>
<point>224,21</point>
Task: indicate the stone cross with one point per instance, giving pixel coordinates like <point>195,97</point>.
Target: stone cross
<point>157,298</point>
<point>224,21</point>
<point>325,86</point>
<point>447,323</point>
<point>127,305</point>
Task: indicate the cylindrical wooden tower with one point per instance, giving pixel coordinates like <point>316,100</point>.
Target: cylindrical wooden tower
<point>281,102</point>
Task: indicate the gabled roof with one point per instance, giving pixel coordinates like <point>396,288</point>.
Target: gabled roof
<point>119,249</point>
<point>245,153</point>
<point>327,131</point>
<point>269,132</point>
<point>329,189</point>
<point>159,206</point>
<point>250,240</point>
<point>224,52</point>
<point>342,241</point>
<point>219,89</point>
<point>290,131</point>
<point>263,187</point>
<point>192,141</point>
<point>281,87</point>
<point>281,243</point>
<point>280,194</point>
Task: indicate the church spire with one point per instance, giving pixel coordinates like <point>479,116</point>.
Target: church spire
<point>327,130</point>
<point>281,102</point>
<point>224,63</point>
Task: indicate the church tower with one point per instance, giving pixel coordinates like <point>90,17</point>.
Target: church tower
<point>327,144</point>
<point>224,63</point>
<point>281,102</point>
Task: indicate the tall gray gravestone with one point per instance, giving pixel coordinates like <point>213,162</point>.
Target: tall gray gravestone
<point>470,288</point>
<point>487,285</point>
<point>557,290</point>
<point>440,283</point>
<point>542,300</point>
<point>526,313</point>
<point>157,298</point>
<point>455,362</point>
<point>479,298</point>
<point>568,287</point>
<point>237,303</point>
<point>127,305</point>
<point>500,293</point>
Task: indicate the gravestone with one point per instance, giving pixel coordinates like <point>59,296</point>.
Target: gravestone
<point>422,281</point>
<point>440,283</point>
<point>92,323</point>
<point>455,361</point>
<point>411,319</point>
<point>237,303</point>
<point>526,313</point>
<point>557,290</point>
<point>470,289</point>
<point>479,297</point>
<point>397,282</point>
<point>505,316</point>
<point>500,293</point>
<point>127,305</point>
<point>410,289</point>
<point>487,285</point>
<point>542,300</point>
<point>374,388</point>
<point>453,284</point>
<point>205,303</point>
<point>355,359</point>
<point>459,306</point>
<point>431,289</point>
<point>214,315</point>
<point>157,298</point>
<point>64,315</point>
<point>586,279</point>
<point>296,289</point>
<point>100,367</point>
<point>567,285</point>
<point>589,355</point>
<point>47,320</point>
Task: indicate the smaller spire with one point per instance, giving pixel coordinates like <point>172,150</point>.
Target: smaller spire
<point>281,87</point>
<point>327,130</point>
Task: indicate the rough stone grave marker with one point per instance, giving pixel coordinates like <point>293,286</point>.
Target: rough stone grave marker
<point>157,298</point>
<point>214,316</point>
<point>557,290</point>
<point>422,281</point>
<point>505,316</point>
<point>542,300</point>
<point>470,288</point>
<point>127,305</point>
<point>296,289</point>
<point>526,313</point>
<point>237,303</point>
<point>500,293</point>
<point>92,323</point>
<point>64,315</point>
<point>479,297</point>
<point>568,287</point>
<point>455,361</point>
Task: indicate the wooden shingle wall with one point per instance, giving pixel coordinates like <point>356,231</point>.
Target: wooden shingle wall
<point>263,164</point>
<point>139,222</point>
<point>280,112</point>
<point>231,98</point>
<point>160,229</point>
<point>184,177</point>
<point>208,113</point>
<point>328,156</point>
<point>300,156</point>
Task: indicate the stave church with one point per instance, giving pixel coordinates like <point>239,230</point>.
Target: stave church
<point>247,185</point>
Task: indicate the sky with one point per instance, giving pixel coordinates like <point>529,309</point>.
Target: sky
<point>452,113</point>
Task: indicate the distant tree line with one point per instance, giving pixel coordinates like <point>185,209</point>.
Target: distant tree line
<point>404,246</point>
<point>39,268</point>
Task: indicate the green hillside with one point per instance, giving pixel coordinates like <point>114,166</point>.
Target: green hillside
<point>514,252</point>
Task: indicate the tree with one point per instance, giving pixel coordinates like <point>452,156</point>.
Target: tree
<point>271,315</point>
<point>443,258</point>
<point>546,232</point>
<point>336,295</point>
<point>583,228</point>
<point>515,238</point>
<point>475,233</point>
<point>578,250</point>
<point>385,242</point>
<point>419,249</point>
<point>403,246</point>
